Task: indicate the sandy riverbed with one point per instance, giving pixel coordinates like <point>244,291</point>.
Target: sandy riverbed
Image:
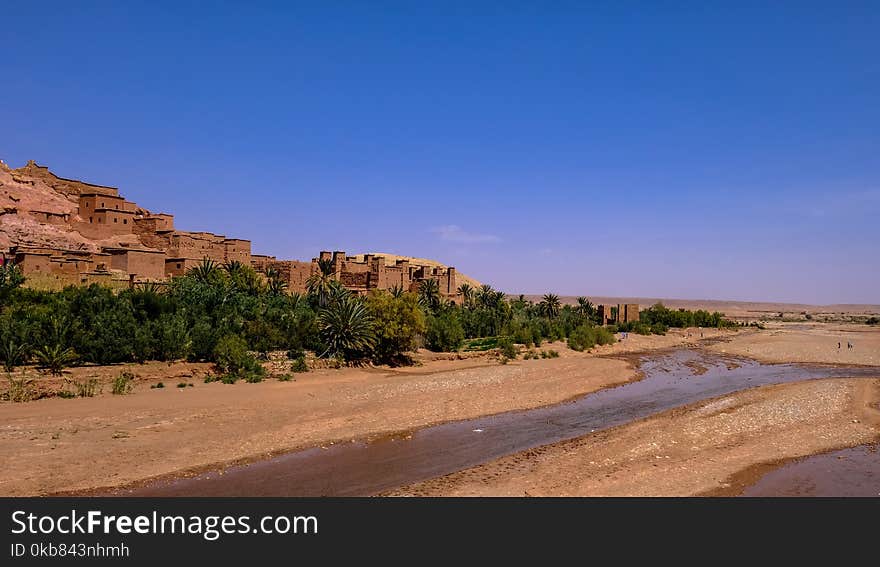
<point>712,447</point>
<point>807,342</point>
<point>58,444</point>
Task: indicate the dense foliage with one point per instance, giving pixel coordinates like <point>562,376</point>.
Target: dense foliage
<point>225,313</point>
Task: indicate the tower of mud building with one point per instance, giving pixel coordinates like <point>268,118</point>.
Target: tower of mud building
<point>378,275</point>
<point>451,288</point>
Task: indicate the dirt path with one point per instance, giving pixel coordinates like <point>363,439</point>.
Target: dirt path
<point>716,446</point>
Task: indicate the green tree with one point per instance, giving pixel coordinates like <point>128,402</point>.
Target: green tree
<point>399,323</point>
<point>585,307</point>
<point>206,272</point>
<point>10,278</point>
<point>275,283</point>
<point>550,305</point>
<point>445,332</point>
<point>429,294</point>
<point>320,284</point>
<point>467,294</point>
<point>346,326</point>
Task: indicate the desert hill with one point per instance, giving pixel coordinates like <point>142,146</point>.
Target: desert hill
<point>38,210</point>
<point>62,231</point>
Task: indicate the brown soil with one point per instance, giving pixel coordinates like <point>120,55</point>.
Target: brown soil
<point>715,446</point>
<point>57,445</point>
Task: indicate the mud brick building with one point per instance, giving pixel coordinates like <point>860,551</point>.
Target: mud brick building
<point>361,274</point>
<point>95,234</point>
<point>627,313</point>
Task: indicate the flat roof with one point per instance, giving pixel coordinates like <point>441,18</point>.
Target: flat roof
<point>113,249</point>
<point>104,209</point>
<point>95,193</point>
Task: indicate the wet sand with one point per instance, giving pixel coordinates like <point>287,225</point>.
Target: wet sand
<point>698,449</point>
<point>847,472</point>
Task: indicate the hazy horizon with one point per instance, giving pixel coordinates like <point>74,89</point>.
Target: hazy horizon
<point>684,150</point>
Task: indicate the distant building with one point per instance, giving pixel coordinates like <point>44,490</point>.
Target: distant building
<point>627,313</point>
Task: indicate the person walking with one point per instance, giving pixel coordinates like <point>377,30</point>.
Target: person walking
<point>838,345</point>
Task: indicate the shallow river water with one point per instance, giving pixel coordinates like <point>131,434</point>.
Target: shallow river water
<point>358,468</point>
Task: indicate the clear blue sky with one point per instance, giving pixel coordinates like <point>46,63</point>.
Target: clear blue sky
<point>698,149</point>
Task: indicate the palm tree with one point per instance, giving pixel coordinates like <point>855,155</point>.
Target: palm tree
<point>485,295</point>
<point>55,358</point>
<point>14,353</point>
<point>207,272</point>
<point>585,307</point>
<point>549,306</point>
<point>149,288</point>
<point>429,294</point>
<point>233,267</point>
<point>347,328</point>
<point>499,298</point>
<point>397,291</point>
<point>275,284</point>
<point>467,294</point>
<point>296,300</point>
<point>319,283</point>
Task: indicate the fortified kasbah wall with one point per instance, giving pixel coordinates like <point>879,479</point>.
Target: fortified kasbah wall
<point>63,231</point>
<point>360,275</point>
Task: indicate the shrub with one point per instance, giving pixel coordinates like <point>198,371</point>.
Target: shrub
<point>604,336</point>
<point>285,377</point>
<point>873,321</point>
<point>506,348</point>
<point>445,332</point>
<point>659,329</point>
<point>123,384</point>
<point>254,377</point>
<point>87,388</point>
<point>20,389</point>
<point>299,365</point>
<point>66,394</point>
<point>552,354</point>
<point>172,337</point>
<point>582,338</point>
<point>641,329</point>
<point>210,378</point>
<point>295,353</point>
<point>234,361</point>
<point>160,385</point>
